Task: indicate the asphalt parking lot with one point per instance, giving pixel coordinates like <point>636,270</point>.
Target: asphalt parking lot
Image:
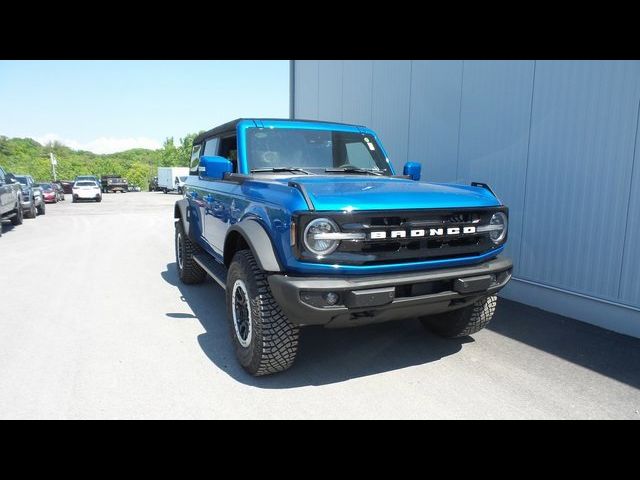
<point>94,324</point>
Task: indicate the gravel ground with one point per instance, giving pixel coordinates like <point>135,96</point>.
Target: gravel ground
<point>94,324</point>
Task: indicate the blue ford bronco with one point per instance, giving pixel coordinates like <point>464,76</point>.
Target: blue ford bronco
<point>307,223</point>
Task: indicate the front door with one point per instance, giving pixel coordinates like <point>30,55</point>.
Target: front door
<point>216,204</point>
<point>219,199</point>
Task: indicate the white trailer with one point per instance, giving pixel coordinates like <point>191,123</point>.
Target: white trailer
<point>171,179</point>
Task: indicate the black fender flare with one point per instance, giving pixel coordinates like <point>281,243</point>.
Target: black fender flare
<point>181,213</point>
<point>258,240</point>
<point>180,210</point>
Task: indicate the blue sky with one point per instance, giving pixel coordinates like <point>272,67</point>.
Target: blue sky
<point>107,106</point>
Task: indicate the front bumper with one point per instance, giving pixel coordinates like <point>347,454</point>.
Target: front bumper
<point>372,299</point>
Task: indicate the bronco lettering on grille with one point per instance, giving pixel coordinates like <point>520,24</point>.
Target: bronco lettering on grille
<point>428,232</point>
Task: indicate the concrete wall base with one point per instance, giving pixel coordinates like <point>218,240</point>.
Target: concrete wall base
<point>609,315</point>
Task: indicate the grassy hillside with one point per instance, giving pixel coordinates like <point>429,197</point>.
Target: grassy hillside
<point>26,156</point>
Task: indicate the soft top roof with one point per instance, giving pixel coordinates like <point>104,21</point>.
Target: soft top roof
<point>230,127</point>
<point>224,128</point>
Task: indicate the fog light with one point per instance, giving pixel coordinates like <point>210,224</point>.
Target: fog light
<point>331,298</point>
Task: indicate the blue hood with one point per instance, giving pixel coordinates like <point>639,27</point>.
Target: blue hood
<point>359,192</point>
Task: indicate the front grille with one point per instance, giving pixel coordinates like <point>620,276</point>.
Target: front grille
<point>397,250</point>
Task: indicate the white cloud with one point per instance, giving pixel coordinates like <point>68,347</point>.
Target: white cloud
<point>103,144</point>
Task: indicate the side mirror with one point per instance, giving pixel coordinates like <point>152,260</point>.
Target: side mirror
<point>413,170</point>
<point>215,167</point>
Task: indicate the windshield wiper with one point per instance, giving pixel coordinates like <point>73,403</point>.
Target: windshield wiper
<point>281,169</point>
<point>353,170</point>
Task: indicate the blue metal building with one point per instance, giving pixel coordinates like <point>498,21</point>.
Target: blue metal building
<point>557,140</point>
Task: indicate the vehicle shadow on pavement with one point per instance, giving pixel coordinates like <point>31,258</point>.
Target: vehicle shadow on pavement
<point>325,356</point>
<point>7,227</point>
<point>605,352</point>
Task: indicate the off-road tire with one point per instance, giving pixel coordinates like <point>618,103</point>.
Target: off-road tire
<point>274,339</point>
<point>463,322</point>
<point>18,218</point>
<point>42,209</point>
<point>189,272</point>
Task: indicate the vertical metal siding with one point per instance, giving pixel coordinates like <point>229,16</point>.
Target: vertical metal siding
<point>306,90</point>
<point>357,84</point>
<point>558,140</point>
<point>390,112</point>
<point>494,133</point>
<point>434,117</point>
<point>578,179</point>
<point>330,89</point>
<point>630,277</point>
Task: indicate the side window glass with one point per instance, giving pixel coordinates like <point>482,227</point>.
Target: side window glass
<point>358,155</point>
<point>211,147</point>
<point>195,159</point>
<point>229,150</point>
<point>1,176</point>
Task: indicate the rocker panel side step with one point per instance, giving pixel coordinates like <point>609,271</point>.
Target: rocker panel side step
<point>216,270</point>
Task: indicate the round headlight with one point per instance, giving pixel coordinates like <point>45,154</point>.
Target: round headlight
<point>499,230</point>
<point>315,236</point>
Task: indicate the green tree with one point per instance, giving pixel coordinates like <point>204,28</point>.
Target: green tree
<point>139,165</point>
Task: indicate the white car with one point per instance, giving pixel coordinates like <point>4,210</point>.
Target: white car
<point>86,190</point>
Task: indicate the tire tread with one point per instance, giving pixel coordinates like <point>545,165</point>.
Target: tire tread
<point>191,273</point>
<point>18,218</point>
<point>465,321</point>
<point>278,337</point>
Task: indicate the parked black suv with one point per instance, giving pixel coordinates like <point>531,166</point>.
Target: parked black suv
<point>113,184</point>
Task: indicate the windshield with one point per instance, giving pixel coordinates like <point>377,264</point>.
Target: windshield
<point>22,180</point>
<point>313,150</point>
<point>183,179</point>
<point>86,184</point>
<point>45,186</point>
